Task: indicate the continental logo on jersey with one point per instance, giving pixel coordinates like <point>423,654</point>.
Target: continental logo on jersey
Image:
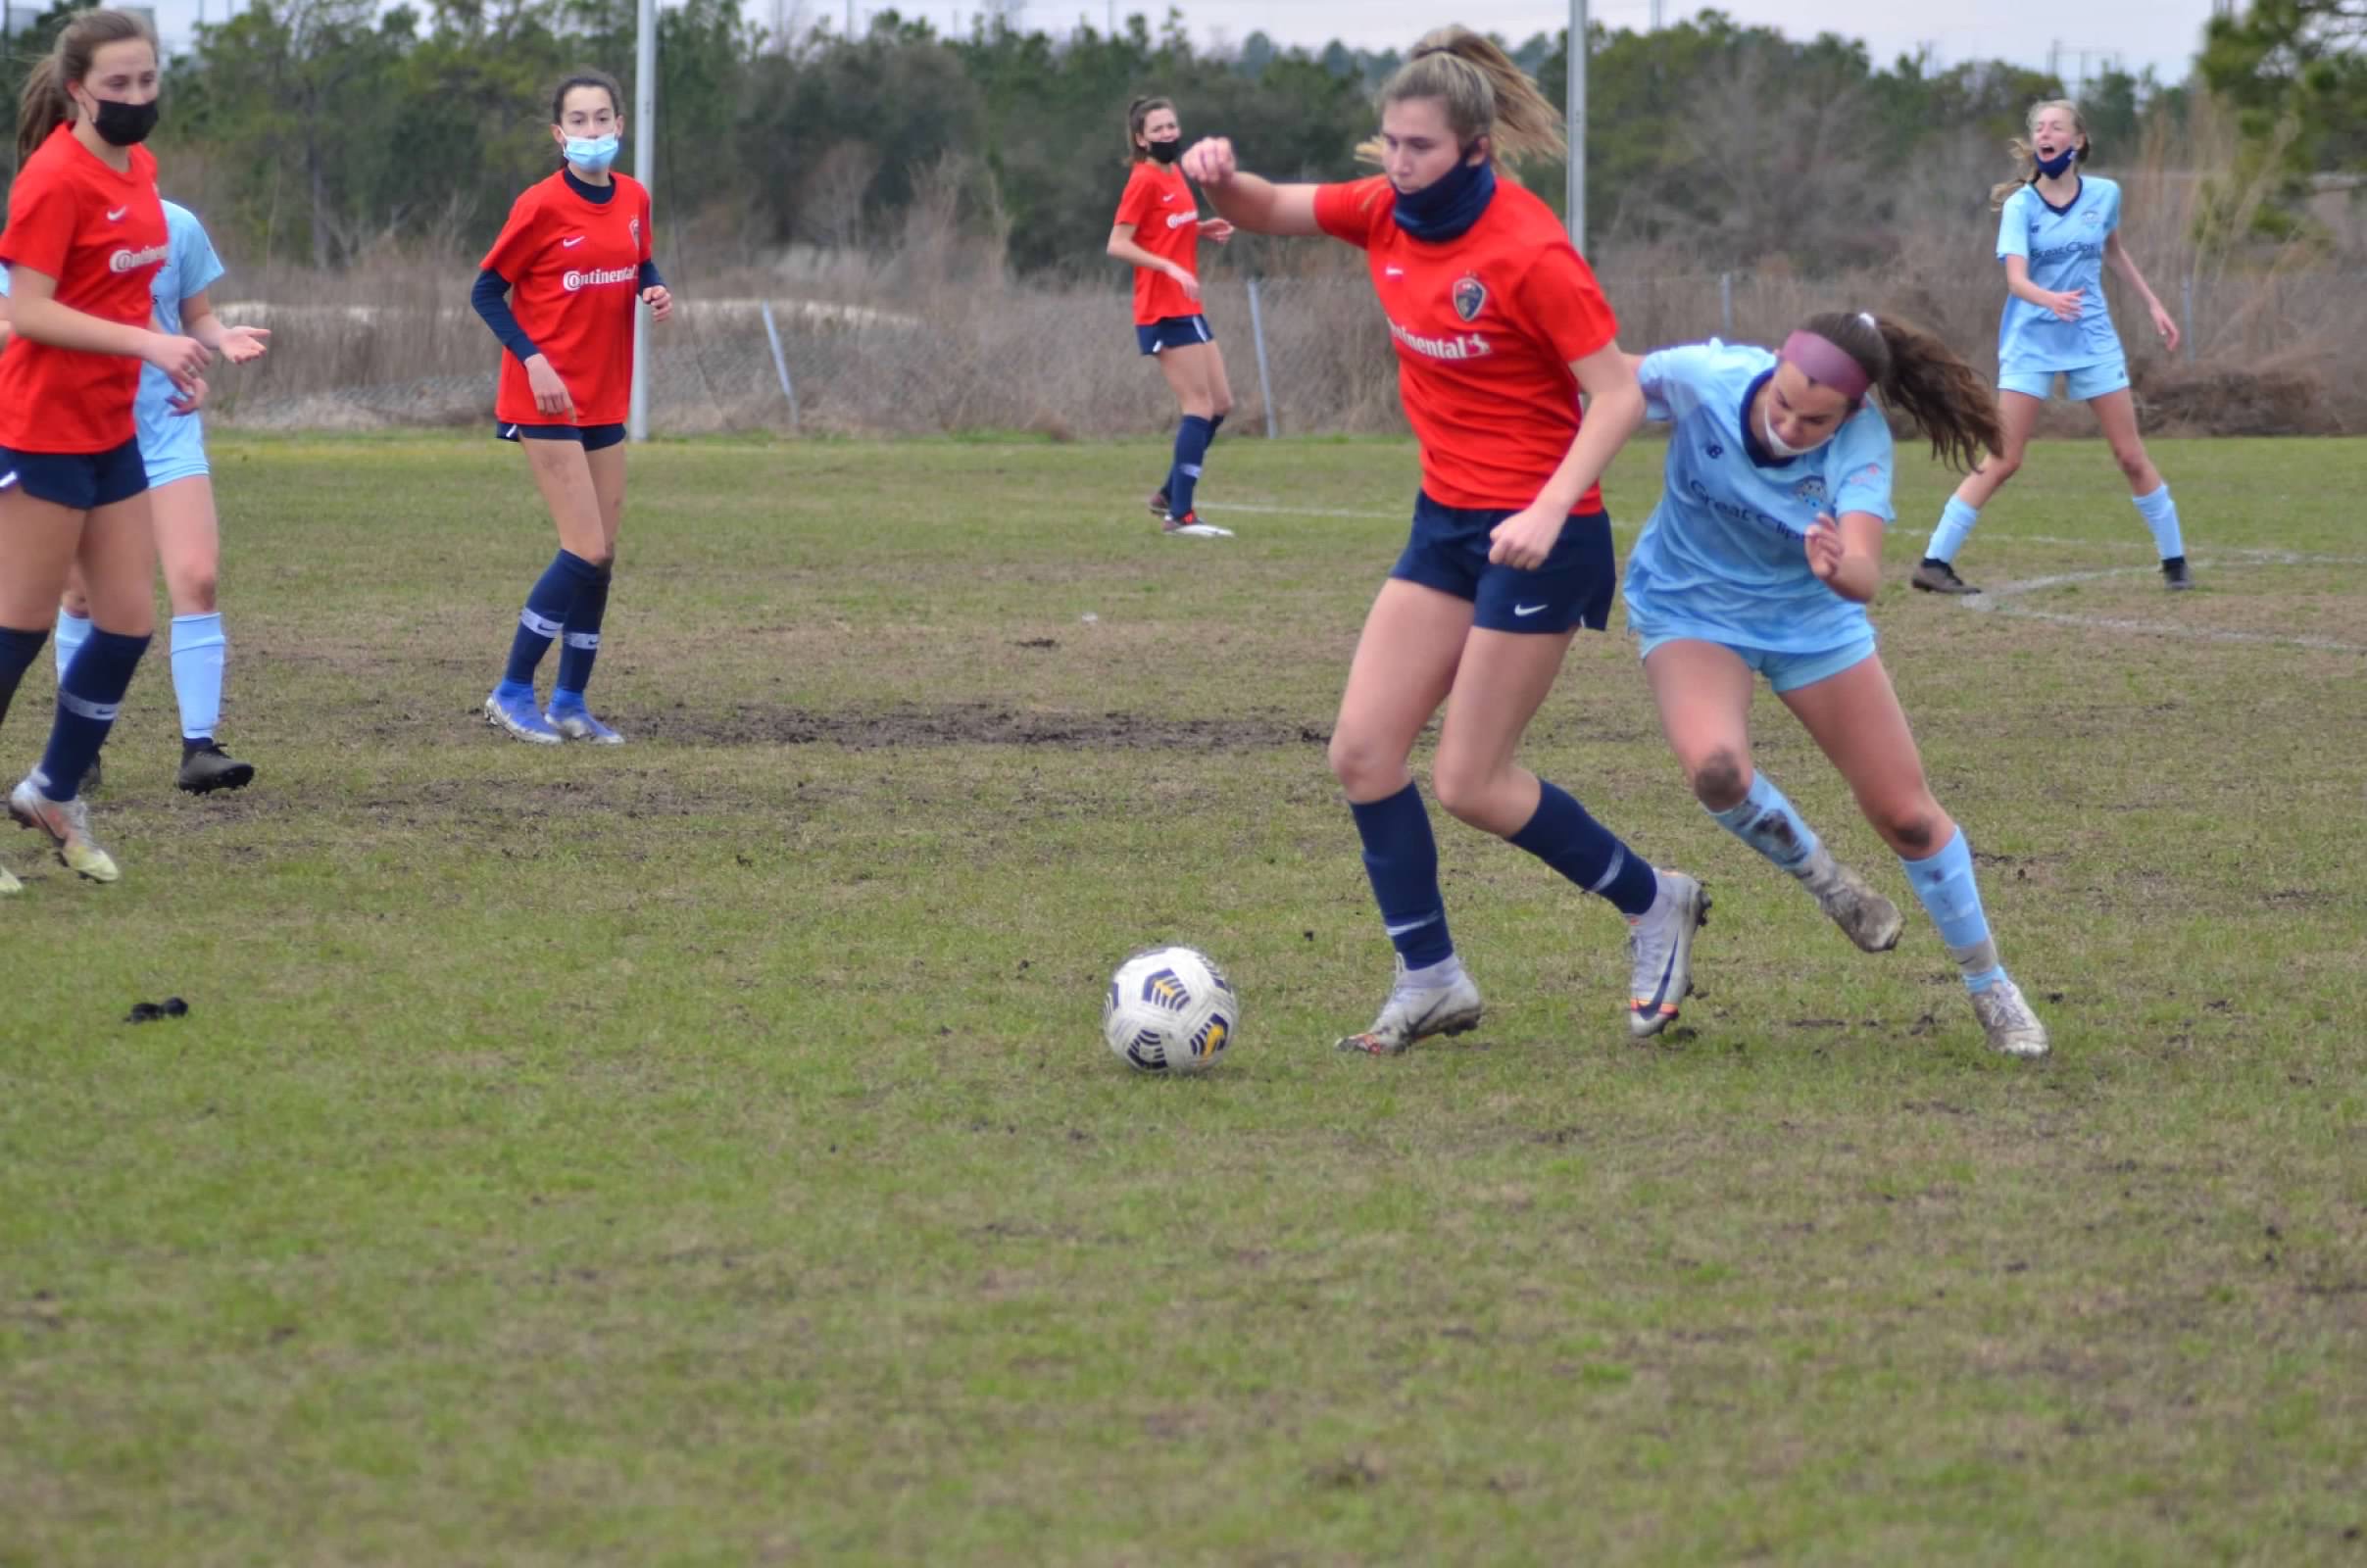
<point>598,276</point>
<point>1178,219</point>
<point>1461,345</point>
<point>1470,297</point>
<point>129,261</point>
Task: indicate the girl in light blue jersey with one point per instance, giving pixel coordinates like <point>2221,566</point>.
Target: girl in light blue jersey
<point>180,498</point>
<point>1761,557</point>
<point>2057,229</point>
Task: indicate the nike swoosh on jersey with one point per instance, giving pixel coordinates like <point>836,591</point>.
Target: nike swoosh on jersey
<point>117,215</point>
<point>1393,271</point>
<point>569,244</point>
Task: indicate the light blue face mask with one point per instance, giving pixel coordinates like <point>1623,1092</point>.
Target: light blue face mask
<point>594,153</point>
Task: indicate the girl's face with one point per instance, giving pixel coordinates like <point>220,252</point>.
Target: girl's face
<point>2052,130</point>
<point>1418,148</point>
<point>123,71</point>
<point>589,113</point>
<point>1801,412</point>
<point>1160,125</point>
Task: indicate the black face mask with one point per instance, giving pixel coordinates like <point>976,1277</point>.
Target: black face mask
<point>125,124</point>
<point>1164,152</point>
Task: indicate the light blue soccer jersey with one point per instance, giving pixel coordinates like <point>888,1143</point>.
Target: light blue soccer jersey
<point>2065,249</point>
<point>1723,556</point>
<point>190,268</point>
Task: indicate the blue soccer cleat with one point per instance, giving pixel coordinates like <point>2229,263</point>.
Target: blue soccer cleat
<point>575,721</point>
<point>512,708</point>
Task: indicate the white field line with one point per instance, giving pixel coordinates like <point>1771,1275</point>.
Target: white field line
<point>1999,601</point>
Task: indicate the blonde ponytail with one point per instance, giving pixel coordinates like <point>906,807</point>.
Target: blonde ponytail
<point>1484,93</point>
<point>2026,157</point>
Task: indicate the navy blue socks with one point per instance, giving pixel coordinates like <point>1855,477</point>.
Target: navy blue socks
<point>546,614</point>
<point>583,645</point>
<point>1400,858</point>
<point>1566,838</point>
<point>17,651</point>
<point>88,699</point>
<point>1191,438</point>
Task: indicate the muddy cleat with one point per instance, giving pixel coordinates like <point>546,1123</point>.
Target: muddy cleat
<point>1414,1014</point>
<point>575,721</point>
<point>1158,505</point>
<point>1938,577</point>
<point>68,823</point>
<point>2005,1017</point>
<point>206,767</point>
<point>1189,526</point>
<point>512,708</point>
<point>1659,946</point>
<point>2175,576</point>
<point>1865,916</point>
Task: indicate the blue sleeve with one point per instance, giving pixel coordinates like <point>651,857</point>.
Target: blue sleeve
<point>650,277</point>
<point>199,267</point>
<point>2112,208</point>
<point>489,297</point>
<point>1674,380</point>
<point>1858,472</point>
<point>2014,225</point>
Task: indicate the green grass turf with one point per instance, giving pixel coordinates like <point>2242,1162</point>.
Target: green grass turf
<point>704,1152</point>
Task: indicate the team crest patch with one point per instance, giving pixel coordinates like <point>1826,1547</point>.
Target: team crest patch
<point>632,227</point>
<point>1470,297</point>
<point>1812,488</point>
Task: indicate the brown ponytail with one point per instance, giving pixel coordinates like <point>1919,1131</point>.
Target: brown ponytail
<point>1921,377</point>
<point>1486,94</point>
<point>43,106</point>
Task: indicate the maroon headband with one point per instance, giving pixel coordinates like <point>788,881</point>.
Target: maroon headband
<point>1824,361</point>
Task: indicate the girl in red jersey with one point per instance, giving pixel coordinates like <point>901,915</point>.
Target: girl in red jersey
<point>574,259</point>
<point>85,235</point>
<point>1498,327</point>
<point>1159,229</point>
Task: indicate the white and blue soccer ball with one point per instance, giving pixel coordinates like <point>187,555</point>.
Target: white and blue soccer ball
<point>1171,1009</point>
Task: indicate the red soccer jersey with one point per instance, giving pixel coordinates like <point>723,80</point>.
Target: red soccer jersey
<point>574,271</point>
<point>1160,204</point>
<point>102,236</point>
<point>1486,326</point>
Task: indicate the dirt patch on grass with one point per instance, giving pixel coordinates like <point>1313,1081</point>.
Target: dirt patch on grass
<point>970,724</point>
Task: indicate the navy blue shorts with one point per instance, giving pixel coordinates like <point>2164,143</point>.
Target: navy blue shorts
<point>591,437</point>
<point>1448,552</point>
<point>83,481</point>
<point>1173,332</point>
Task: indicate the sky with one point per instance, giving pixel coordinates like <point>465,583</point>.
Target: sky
<point>2161,33</point>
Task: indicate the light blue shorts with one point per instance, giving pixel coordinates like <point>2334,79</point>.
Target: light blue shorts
<point>1785,672</point>
<point>2083,382</point>
<point>174,451</point>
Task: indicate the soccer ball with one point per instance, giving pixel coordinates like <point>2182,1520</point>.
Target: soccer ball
<point>1171,1009</point>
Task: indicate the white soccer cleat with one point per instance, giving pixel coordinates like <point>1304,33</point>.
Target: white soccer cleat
<point>2007,1021</point>
<point>9,883</point>
<point>1415,1014</point>
<point>1660,949</point>
<point>68,823</point>
<point>1865,916</point>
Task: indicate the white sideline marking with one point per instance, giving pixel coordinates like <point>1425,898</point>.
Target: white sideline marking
<point>1997,601</point>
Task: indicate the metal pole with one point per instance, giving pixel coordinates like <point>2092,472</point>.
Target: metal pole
<point>1726,305</point>
<point>645,170</point>
<point>780,363</point>
<point>1266,387</point>
<point>2185,320</point>
<point>1574,108</point>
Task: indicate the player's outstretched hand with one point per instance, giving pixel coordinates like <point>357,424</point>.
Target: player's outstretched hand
<point>1209,160</point>
<point>242,345</point>
<point>1524,539</point>
<point>660,300</point>
<point>1824,547</point>
<point>189,401</point>
<point>550,392</point>
<point>1215,231</point>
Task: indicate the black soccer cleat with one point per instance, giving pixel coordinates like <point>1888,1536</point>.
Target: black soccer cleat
<point>206,767</point>
<point>2175,576</point>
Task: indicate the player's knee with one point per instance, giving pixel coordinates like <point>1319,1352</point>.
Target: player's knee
<point>1721,778</point>
<point>1221,404</point>
<point>75,603</point>
<point>1364,769</point>
<point>600,558</point>
<point>1910,827</point>
<point>2002,466</point>
<point>1463,792</point>
<point>2132,460</point>
<point>194,592</point>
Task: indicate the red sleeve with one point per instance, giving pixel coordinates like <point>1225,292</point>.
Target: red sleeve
<point>41,214</point>
<point>649,237</point>
<point>1565,303</point>
<point>515,248</point>
<point>1352,209</point>
<point>1135,205</point>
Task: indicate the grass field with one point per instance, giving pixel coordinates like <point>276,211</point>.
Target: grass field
<point>704,1152</point>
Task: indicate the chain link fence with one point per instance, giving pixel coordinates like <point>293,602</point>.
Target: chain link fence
<point>1306,354</point>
